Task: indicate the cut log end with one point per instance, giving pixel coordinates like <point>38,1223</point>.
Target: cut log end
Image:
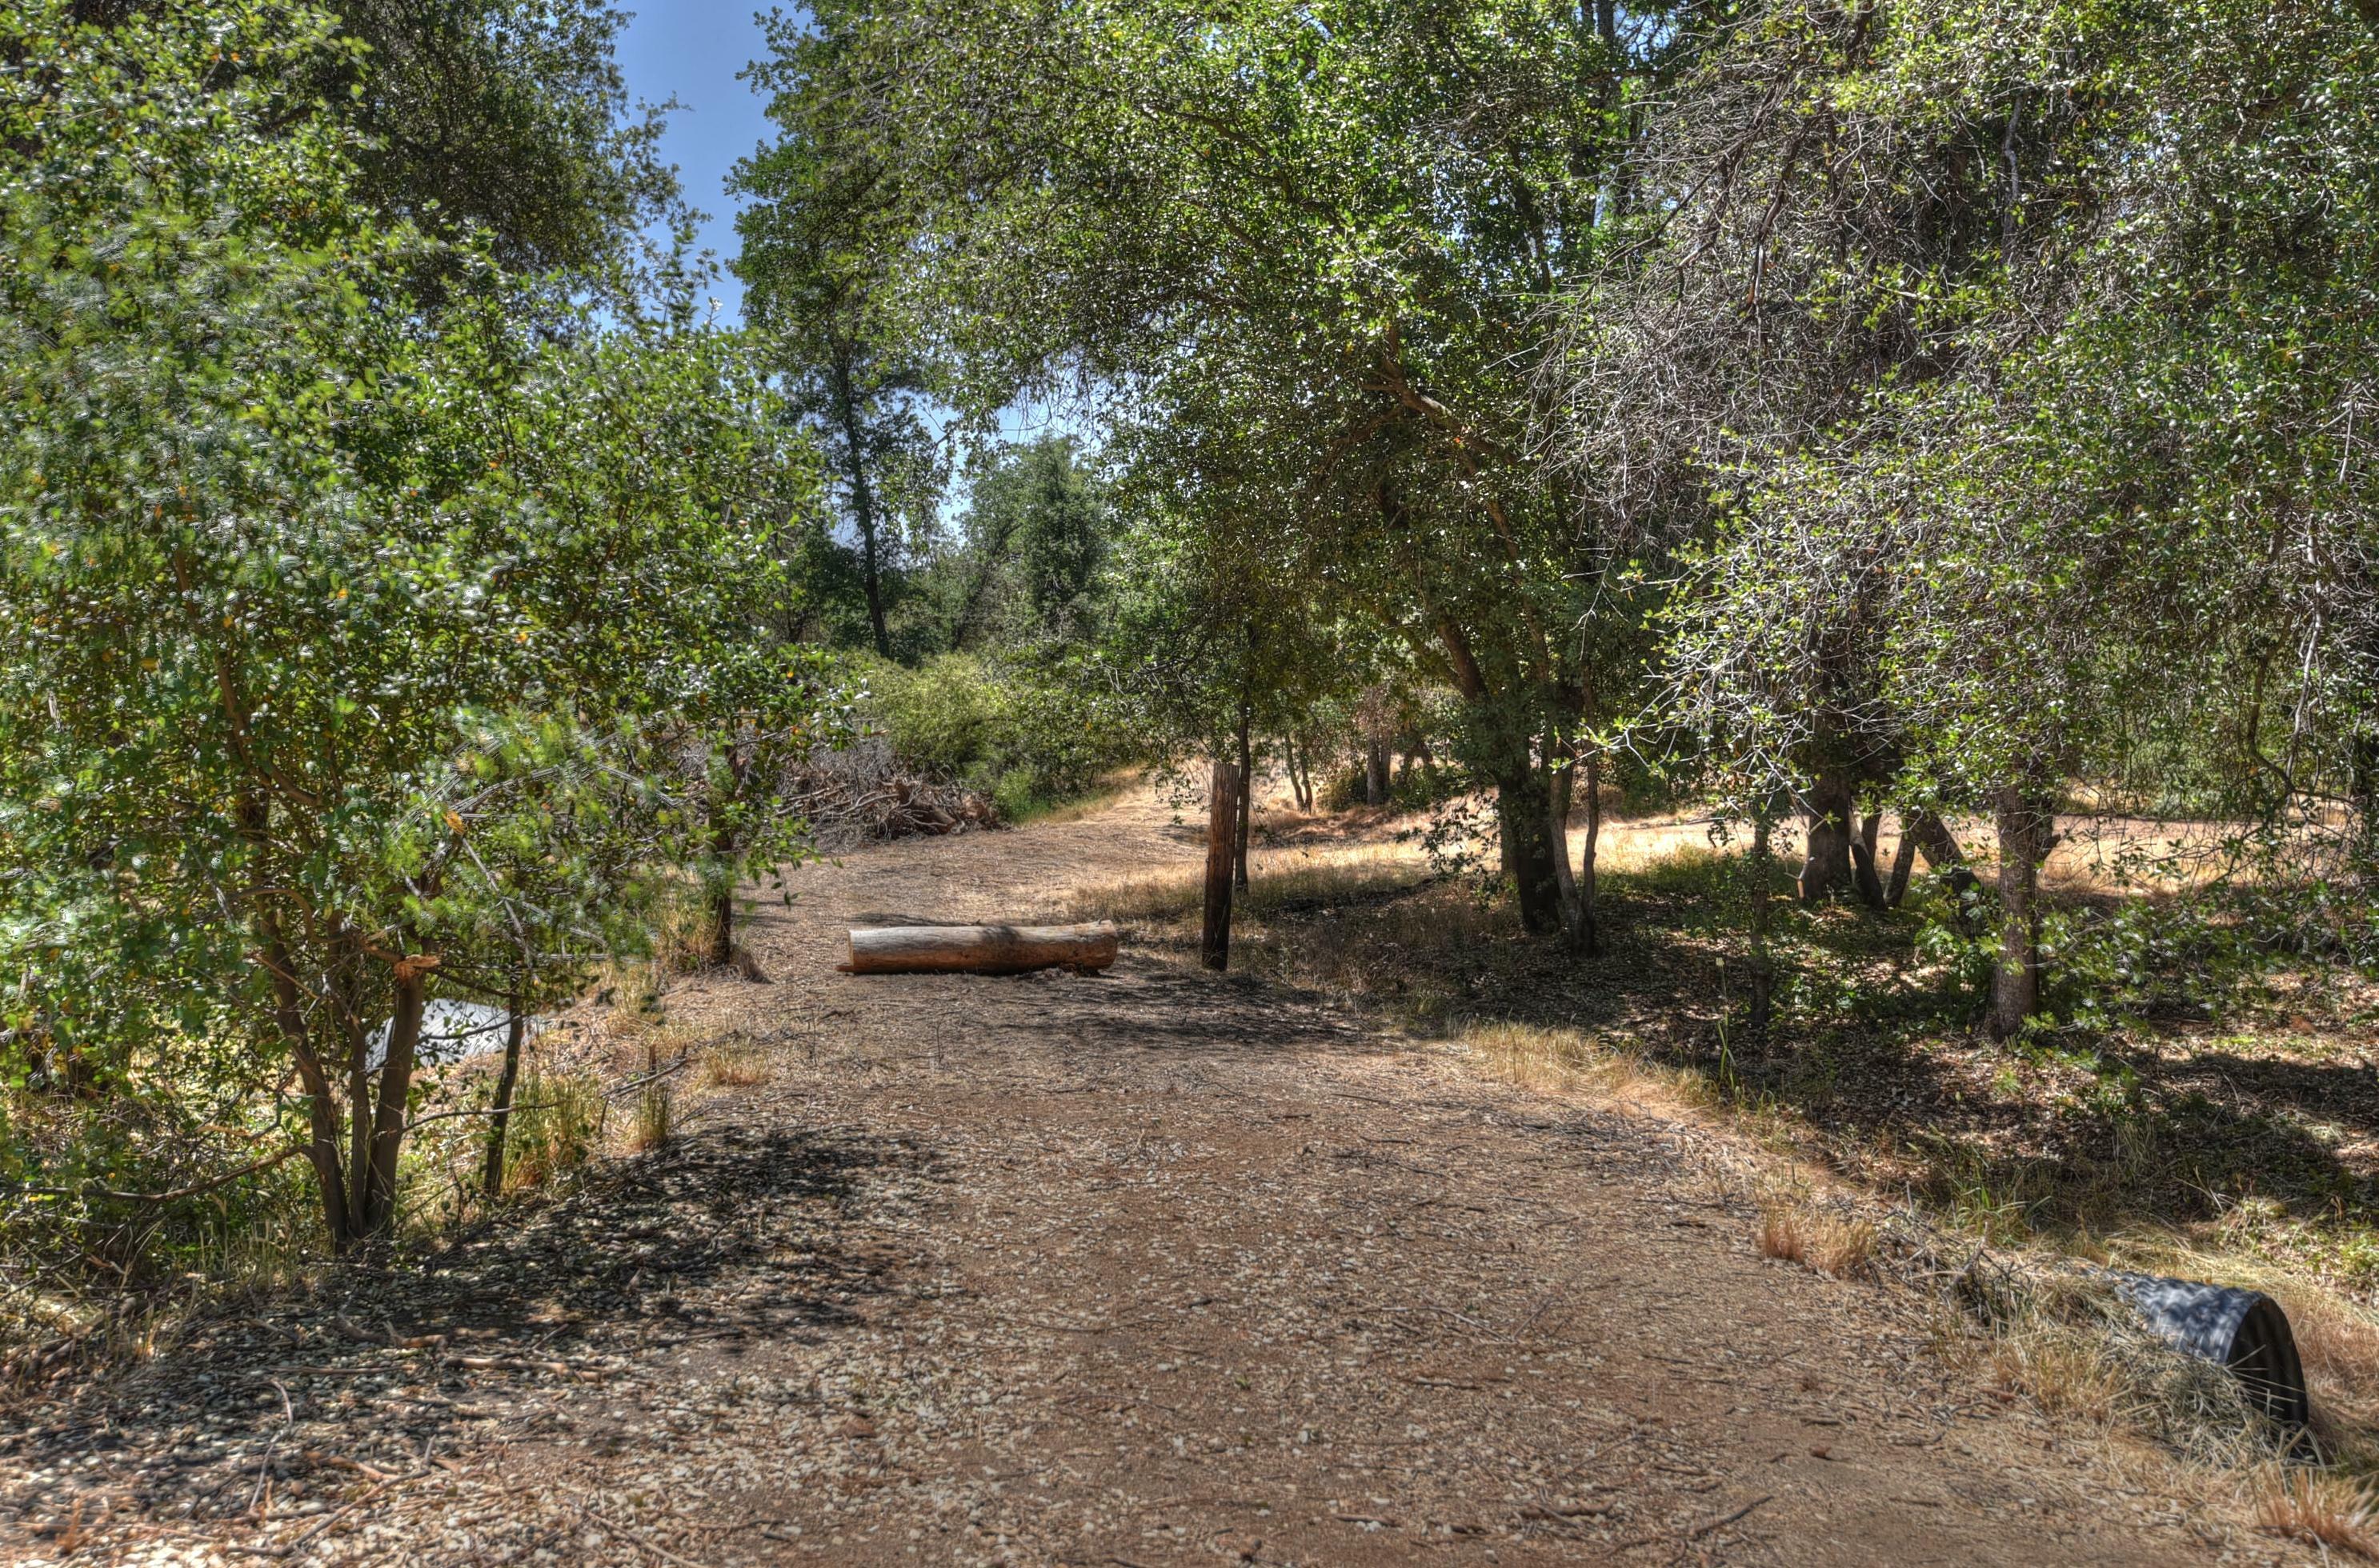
<point>979,949</point>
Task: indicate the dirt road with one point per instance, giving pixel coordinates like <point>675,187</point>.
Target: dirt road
<point>1150,1268</point>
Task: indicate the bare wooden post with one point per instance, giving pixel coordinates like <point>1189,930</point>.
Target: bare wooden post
<point>1763,963</point>
<point>1246,803</point>
<point>1222,840</point>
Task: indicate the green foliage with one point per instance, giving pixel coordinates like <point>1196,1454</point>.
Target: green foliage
<point>510,118</point>
<point>1030,566</point>
<point>1021,737</point>
<point>815,254</point>
<point>553,1128</point>
<point>2024,419</point>
<point>359,657</point>
<point>1289,249</point>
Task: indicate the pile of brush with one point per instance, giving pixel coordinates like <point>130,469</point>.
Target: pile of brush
<point>859,791</point>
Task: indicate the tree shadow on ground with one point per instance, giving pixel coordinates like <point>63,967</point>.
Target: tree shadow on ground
<point>1879,1053</point>
<point>728,1236</point>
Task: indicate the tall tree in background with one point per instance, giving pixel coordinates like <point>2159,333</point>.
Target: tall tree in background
<point>1032,543</point>
<point>814,244</point>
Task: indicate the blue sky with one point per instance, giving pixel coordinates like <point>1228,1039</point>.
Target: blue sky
<point>690,50</point>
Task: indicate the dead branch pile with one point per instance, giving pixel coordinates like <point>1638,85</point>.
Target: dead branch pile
<point>858,792</point>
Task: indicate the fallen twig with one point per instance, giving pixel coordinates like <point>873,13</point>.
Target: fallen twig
<point>634,1538</point>
<point>290,1546</point>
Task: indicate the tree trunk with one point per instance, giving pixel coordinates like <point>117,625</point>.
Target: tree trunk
<point>516,1026</point>
<point>862,500</point>
<point>1523,809</point>
<point>1588,878</point>
<point>722,929</point>
<point>1863,863</point>
<point>1826,869</point>
<point>1222,825</point>
<point>1904,863</point>
<point>359,1143</point>
<point>1575,891</point>
<point>1573,912</point>
<point>2027,831</point>
<point>375,1179</point>
<point>1763,963</point>
<point>722,844</point>
<point>1246,799</point>
<point>1924,833</point>
<point>304,1052</point>
<point>2363,790</point>
<point>1375,770</point>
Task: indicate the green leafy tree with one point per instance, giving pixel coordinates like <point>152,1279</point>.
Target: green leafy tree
<point>1302,241</point>
<point>357,660</point>
<point>814,245</point>
<point>2022,348</point>
<point>1030,560</point>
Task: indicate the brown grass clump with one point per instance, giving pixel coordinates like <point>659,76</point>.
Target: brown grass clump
<point>1823,1243</point>
<point>2339,1346</point>
<point>2066,1371</point>
<point>1563,1061</point>
<point>733,1066</point>
<point>681,929</point>
<point>654,1123</point>
<point>552,1126</point>
<point>2317,1507</point>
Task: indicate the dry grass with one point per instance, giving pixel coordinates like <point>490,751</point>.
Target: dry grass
<point>734,1065</point>
<point>2319,1508</point>
<point>1566,1062</point>
<point>2068,1371</point>
<point>654,1123</point>
<point>682,928</point>
<point>2339,1346</point>
<point>2336,1338</point>
<point>553,1128</point>
<point>1826,1244</point>
<point>1278,880</point>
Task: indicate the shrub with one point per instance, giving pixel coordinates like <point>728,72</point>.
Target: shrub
<point>1025,742</point>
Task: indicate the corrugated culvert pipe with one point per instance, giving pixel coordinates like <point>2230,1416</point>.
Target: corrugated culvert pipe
<point>2243,1330</point>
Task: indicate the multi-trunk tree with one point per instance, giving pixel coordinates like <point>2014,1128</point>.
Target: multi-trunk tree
<point>1307,242</point>
<point>2020,354</point>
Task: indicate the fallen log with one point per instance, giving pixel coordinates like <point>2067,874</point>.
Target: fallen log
<point>979,949</point>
